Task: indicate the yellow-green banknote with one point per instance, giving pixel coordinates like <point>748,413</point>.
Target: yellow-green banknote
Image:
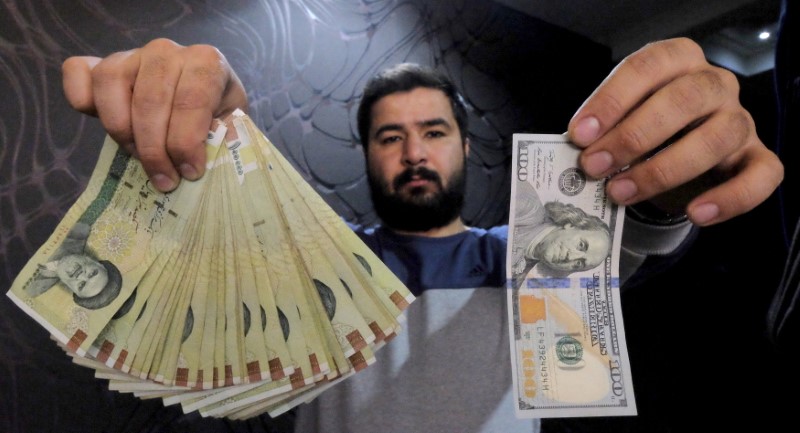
<point>234,295</point>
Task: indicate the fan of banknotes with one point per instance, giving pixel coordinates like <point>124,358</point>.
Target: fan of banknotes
<point>234,295</point>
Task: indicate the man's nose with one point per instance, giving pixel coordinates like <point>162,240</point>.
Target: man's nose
<point>414,151</point>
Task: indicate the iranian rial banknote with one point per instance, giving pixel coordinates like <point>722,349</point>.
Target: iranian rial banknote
<point>568,349</point>
<point>236,294</point>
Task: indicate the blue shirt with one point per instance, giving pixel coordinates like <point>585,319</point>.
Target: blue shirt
<point>473,258</point>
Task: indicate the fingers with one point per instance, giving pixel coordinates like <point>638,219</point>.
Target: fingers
<point>758,173</point>
<point>633,80</point>
<point>687,102</point>
<point>720,169</point>
<point>157,102</point>
<point>206,88</point>
<point>664,91</point>
<point>159,70</point>
<point>112,82</point>
<point>699,150</point>
<point>178,92</point>
<point>77,81</point>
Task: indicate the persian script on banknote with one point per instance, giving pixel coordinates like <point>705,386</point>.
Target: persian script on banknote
<point>568,350</point>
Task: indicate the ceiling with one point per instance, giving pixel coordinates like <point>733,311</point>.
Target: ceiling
<point>727,29</point>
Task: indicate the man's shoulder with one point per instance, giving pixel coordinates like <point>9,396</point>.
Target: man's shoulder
<point>497,232</point>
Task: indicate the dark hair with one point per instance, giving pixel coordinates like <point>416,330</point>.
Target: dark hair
<point>109,292</point>
<point>402,78</point>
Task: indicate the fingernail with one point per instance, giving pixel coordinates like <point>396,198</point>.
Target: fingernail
<point>586,130</point>
<point>623,189</point>
<point>162,182</point>
<point>598,163</point>
<point>704,213</point>
<point>188,172</point>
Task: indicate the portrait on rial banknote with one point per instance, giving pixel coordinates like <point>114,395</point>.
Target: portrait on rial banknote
<point>94,283</point>
<point>555,239</point>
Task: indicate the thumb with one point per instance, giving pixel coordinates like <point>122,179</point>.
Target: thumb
<point>77,81</point>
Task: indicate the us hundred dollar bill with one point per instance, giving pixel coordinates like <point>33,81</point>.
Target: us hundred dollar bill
<point>568,350</point>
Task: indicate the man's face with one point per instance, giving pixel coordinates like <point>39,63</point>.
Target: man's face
<point>416,160</point>
<point>571,249</point>
<point>83,275</point>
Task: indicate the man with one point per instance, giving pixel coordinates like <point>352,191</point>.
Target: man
<point>448,370</point>
<point>410,122</point>
<point>94,283</point>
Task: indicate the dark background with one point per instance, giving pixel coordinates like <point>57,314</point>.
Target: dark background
<point>694,334</point>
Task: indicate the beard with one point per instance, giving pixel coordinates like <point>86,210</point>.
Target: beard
<point>418,210</point>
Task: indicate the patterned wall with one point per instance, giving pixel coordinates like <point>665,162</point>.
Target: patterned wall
<point>303,63</point>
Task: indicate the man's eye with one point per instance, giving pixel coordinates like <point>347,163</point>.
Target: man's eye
<point>390,139</point>
<point>436,134</point>
<point>580,264</point>
<point>93,273</point>
<point>81,285</point>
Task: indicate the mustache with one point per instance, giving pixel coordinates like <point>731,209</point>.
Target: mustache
<point>419,173</point>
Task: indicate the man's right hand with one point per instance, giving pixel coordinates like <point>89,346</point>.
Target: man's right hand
<point>157,102</point>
